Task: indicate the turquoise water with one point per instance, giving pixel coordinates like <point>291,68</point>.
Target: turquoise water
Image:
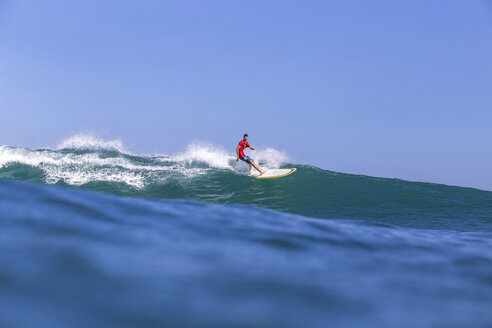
<point>96,236</point>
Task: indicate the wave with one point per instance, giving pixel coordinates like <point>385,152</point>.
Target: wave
<point>88,142</point>
<point>82,258</point>
<point>81,160</point>
<point>183,247</point>
<point>209,173</point>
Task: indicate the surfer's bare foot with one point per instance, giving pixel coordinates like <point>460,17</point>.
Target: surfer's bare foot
<point>263,172</point>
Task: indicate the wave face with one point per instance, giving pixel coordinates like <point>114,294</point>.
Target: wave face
<point>188,249</point>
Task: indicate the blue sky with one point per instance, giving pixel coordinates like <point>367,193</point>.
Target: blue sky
<point>386,88</point>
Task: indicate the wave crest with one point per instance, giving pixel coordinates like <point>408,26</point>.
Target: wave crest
<point>68,165</point>
<point>88,142</point>
<point>209,154</point>
<point>270,158</point>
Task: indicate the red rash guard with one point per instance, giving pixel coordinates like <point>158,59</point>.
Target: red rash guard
<point>243,144</point>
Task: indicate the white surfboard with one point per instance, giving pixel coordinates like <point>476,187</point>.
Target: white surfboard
<point>273,173</point>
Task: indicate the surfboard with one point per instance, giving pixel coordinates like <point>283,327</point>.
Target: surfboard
<point>273,173</point>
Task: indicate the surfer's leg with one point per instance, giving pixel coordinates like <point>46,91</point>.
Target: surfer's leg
<point>256,167</point>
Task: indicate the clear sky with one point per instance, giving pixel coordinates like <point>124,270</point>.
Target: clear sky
<point>386,88</point>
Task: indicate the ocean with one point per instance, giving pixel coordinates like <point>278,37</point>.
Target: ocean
<point>92,235</point>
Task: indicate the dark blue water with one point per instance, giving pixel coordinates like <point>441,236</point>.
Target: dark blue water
<point>124,242</point>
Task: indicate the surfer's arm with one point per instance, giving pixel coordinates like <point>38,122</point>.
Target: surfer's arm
<point>249,146</point>
<point>237,153</point>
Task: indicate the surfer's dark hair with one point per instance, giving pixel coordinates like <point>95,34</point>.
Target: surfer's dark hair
<point>245,135</point>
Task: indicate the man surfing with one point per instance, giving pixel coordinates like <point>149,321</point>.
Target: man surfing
<point>241,156</point>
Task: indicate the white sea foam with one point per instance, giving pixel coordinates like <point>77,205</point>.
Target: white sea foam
<point>80,177</point>
<point>270,158</point>
<point>217,157</point>
<point>81,141</point>
<point>78,169</point>
<point>205,153</point>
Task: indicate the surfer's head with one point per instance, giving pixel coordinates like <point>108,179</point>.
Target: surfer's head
<point>245,137</point>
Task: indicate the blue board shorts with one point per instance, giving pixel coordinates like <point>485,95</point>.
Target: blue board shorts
<point>246,159</point>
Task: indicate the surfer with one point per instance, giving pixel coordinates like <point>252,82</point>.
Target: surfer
<point>241,156</point>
